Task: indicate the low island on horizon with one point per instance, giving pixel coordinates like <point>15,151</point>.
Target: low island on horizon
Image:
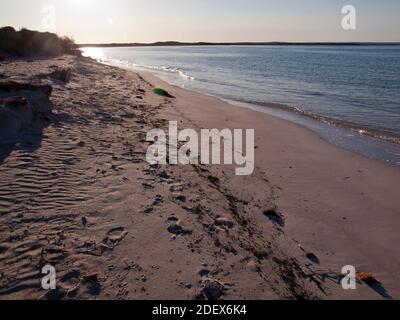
<point>243,43</point>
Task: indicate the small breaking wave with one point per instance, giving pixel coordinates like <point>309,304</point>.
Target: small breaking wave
<point>126,64</point>
<point>357,128</point>
<point>168,69</point>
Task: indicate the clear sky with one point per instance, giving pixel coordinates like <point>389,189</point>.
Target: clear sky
<point>102,21</point>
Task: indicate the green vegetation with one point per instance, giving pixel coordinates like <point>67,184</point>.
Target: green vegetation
<point>33,43</point>
<point>162,93</point>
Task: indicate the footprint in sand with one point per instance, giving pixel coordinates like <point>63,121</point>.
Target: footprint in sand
<point>2,249</point>
<point>115,236</point>
<point>67,286</point>
<point>73,284</point>
<point>275,217</point>
<point>177,229</point>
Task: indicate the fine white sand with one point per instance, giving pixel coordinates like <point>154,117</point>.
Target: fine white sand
<point>77,192</point>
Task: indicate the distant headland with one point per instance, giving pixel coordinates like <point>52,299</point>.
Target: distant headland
<point>274,43</point>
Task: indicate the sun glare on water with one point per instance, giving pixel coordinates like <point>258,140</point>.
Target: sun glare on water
<point>94,53</point>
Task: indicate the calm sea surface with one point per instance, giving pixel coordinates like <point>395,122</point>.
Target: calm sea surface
<point>350,95</point>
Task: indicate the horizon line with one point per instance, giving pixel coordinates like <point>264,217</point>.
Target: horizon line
<point>249,43</point>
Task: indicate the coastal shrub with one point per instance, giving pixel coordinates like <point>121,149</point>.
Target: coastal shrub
<point>33,43</point>
<point>162,93</point>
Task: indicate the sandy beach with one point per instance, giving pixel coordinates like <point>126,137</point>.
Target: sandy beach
<point>76,192</point>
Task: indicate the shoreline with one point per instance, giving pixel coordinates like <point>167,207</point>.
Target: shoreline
<point>357,128</point>
<point>309,208</point>
<point>300,181</point>
<point>380,136</point>
<point>366,141</point>
<point>153,78</point>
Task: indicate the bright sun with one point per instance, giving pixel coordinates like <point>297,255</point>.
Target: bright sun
<point>80,3</point>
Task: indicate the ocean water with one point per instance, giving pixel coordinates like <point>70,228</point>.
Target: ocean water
<point>350,95</point>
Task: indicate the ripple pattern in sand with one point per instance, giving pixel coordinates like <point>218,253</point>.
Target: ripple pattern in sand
<point>39,189</point>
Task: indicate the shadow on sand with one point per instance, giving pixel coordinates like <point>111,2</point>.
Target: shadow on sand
<point>25,110</point>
